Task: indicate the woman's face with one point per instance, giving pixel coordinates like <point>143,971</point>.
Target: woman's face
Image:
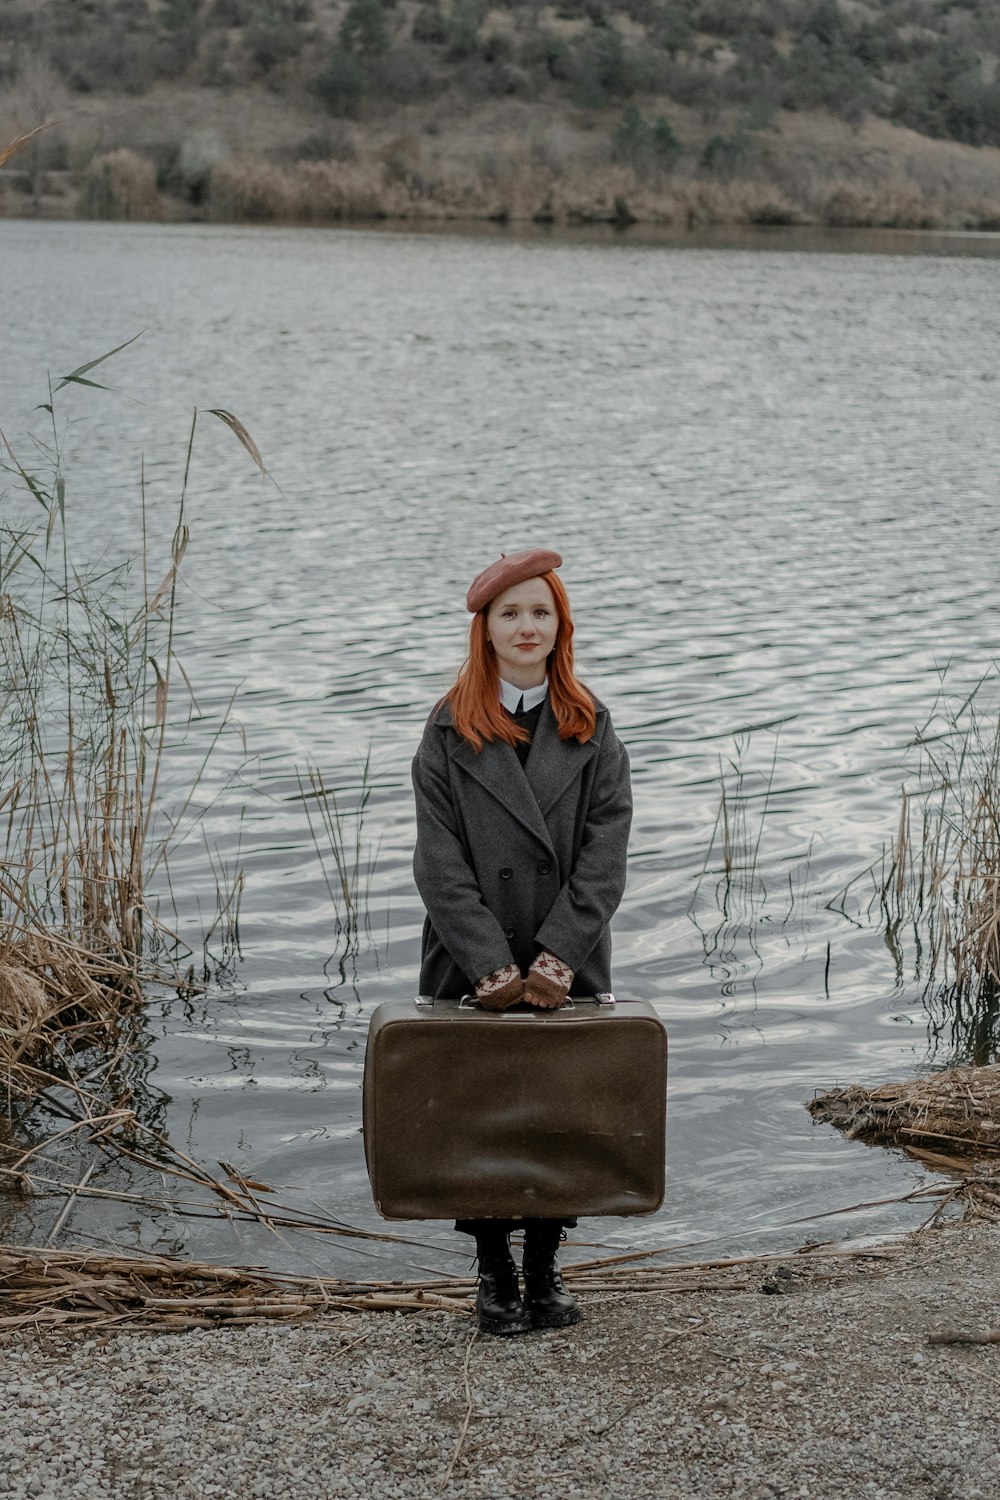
<point>522,624</point>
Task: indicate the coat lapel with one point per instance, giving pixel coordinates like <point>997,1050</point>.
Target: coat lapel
<point>553,764</point>
<point>497,768</point>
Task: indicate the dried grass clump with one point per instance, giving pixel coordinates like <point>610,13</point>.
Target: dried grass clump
<point>309,192</point>
<point>956,1111</point>
<point>120,185</point>
<point>24,1004</point>
<point>982,213</point>
<point>889,204</point>
<point>249,189</point>
<point>57,999</point>
<point>325,192</point>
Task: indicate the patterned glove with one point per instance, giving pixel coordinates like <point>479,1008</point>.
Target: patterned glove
<point>548,981</point>
<point>501,989</point>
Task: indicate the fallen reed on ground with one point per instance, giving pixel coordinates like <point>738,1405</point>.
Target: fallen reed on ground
<point>82,1291</point>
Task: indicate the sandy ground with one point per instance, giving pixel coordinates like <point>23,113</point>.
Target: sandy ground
<point>818,1381</point>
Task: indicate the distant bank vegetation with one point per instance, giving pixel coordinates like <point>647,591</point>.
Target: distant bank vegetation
<point>685,102</point>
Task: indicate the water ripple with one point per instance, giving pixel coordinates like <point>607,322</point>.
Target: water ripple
<point>773,479</point>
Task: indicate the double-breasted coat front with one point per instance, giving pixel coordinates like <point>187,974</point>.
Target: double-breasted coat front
<point>510,860</point>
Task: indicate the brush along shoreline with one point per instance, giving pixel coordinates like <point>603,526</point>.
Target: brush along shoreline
<point>121,186</point>
<point>255,161</point>
<point>817,1375</point>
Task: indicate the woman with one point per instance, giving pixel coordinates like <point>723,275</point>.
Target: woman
<point>523,812</point>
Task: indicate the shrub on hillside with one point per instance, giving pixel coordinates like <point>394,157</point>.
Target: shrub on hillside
<point>724,155</point>
<point>106,59</point>
<point>181,22</point>
<point>670,28</point>
<point>542,51</point>
<point>819,75</point>
<point>330,143</point>
<point>363,30</point>
<point>644,147</point>
<point>268,44</point>
<point>944,94</point>
<point>229,13</point>
<point>496,79</point>
<point>341,85</point>
<point>603,70</point>
<point>402,74</point>
<point>722,17</point>
<point>463,39</point>
<point>120,185</point>
<point>825,21</point>
<point>430,26</point>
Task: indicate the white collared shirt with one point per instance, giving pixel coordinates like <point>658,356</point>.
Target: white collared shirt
<point>511,696</point>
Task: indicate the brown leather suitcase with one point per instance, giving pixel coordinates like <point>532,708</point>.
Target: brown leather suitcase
<point>524,1113</point>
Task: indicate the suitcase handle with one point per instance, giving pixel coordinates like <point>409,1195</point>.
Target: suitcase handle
<point>604,1000</point>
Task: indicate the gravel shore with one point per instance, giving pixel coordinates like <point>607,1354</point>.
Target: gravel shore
<point>816,1380</point>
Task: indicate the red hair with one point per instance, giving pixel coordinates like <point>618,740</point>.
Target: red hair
<point>476,710</point>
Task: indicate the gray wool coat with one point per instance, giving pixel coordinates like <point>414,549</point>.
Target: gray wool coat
<point>510,860</point>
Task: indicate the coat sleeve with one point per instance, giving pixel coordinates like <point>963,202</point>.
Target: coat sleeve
<point>445,879</point>
<point>591,896</point>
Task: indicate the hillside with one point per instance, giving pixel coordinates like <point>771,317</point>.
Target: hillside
<point>671,110</point>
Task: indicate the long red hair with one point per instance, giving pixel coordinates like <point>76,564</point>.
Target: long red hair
<point>476,710</point>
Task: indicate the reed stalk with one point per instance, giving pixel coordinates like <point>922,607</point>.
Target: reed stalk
<point>87,671</point>
<point>939,880</point>
<point>347,857</point>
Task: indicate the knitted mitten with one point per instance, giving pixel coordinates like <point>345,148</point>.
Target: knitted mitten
<point>501,989</point>
<point>548,981</point>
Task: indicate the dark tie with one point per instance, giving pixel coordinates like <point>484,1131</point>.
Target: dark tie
<point>520,705</point>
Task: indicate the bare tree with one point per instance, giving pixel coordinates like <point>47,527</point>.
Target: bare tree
<point>36,96</point>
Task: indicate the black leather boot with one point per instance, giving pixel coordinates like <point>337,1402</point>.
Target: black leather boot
<point>499,1308</point>
<point>548,1302</point>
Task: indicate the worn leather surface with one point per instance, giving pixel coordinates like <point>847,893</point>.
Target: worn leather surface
<point>519,1114</point>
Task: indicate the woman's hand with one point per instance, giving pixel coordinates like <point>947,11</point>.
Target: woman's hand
<point>548,982</point>
<point>501,989</point>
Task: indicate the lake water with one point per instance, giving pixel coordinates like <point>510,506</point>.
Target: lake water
<point>772,472</point>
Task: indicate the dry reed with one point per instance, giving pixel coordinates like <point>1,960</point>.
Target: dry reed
<point>19,143</point>
<point>84,1291</point>
<point>120,185</point>
<point>896,204</point>
<point>954,1112</point>
<point>87,667</point>
<point>940,879</point>
<point>505,186</point>
<point>338,833</point>
<point>306,193</point>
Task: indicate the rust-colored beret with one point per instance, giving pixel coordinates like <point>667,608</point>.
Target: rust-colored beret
<point>515,567</point>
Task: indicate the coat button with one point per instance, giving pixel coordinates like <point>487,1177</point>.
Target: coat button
<point>505,872</point>
<point>544,867</point>
<point>508,932</point>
